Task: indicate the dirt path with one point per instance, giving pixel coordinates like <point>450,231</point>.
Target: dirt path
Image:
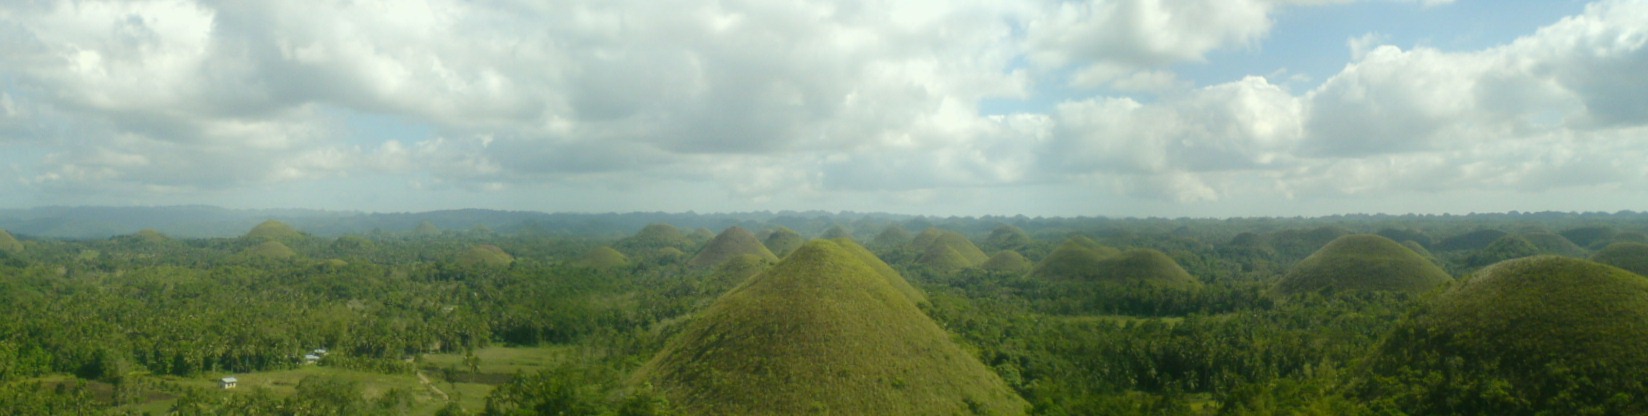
<point>425,380</point>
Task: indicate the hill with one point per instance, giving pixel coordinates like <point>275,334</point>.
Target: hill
<point>1510,246</point>
<point>1007,262</point>
<point>836,232</point>
<point>9,244</point>
<point>1550,243</point>
<point>1007,237</point>
<point>1474,240</point>
<point>603,257</point>
<point>1363,262</point>
<point>892,237</point>
<point>1540,335</point>
<point>272,230</point>
<point>485,255</point>
<point>1632,257</point>
<point>1077,259</point>
<point>950,251</point>
<point>269,250</point>
<point>1144,266</point>
<point>655,243</point>
<point>1589,236</point>
<point>920,242</point>
<point>782,241</point>
<point>822,332</point>
<point>732,242</point>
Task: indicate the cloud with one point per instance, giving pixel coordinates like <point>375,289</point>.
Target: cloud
<point>799,100</point>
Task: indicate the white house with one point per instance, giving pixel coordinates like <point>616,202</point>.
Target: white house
<point>310,358</point>
<point>227,382</point>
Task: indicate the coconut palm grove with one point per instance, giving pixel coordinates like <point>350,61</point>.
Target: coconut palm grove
<point>476,312</point>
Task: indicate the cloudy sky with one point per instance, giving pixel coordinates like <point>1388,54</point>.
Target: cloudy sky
<point>950,107</point>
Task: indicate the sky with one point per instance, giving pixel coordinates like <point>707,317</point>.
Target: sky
<point>1160,108</point>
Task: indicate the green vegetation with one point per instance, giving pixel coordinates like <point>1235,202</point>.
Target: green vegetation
<point>603,257</point>
<point>1008,262</point>
<point>822,332</point>
<point>147,322</point>
<point>1541,335</point>
<point>733,242</point>
<point>272,230</point>
<point>1507,247</point>
<point>1363,262</point>
<point>951,251</point>
<point>1589,236</point>
<point>1008,237</point>
<point>486,255</point>
<point>891,237</point>
<point>426,229</point>
<point>783,241</point>
<point>269,250</point>
<point>1549,243</point>
<point>1079,258</point>
<point>836,232</point>
<point>1632,257</point>
<point>1143,266</point>
<point>1474,240</point>
<point>9,244</point>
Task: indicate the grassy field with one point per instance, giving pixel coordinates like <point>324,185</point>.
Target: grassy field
<point>444,378</point>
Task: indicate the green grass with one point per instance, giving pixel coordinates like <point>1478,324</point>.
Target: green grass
<point>272,230</point>
<point>782,241</point>
<point>1629,256</point>
<point>892,236</point>
<point>603,257</point>
<point>1550,334</point>
<point>269,250</point>
<point>822,332</point>
<point>9,244</point>
<point>485,255</point>
<point>1363,262</point>
<point>1007,262</point>
<point>1145,266</point>
<point>1550,243</point>
<point>733,242</point>
<point>1077,259</point>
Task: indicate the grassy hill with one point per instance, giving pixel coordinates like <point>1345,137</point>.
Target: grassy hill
<point>1363,262</point>
<point>1144,266</point>
<point>1551,243</point>
<point>603,257</point>
<point>950,251</point>
<point>1508,247</point>
<point>1632,257</point>
<point>652,240</point>
<point>272,230</point>
<point>836,232</point>
<point>1539,335</point>
<point>9,244</point>
<point>782,241</point>
<point>269,250</point>
<point>485,255</point>
<point>892,237</point>
<point>886,272</point>
<point>732,242</point>
<point>1007,237</point>
<point>1589,236</point>
<point>920,242</point>
<point>1078,258</point>
<point>822,332</point>
<point>1008,262</point>
<point>1474,240</point>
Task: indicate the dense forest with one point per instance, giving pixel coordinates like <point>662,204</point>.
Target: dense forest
<point>480,312</point>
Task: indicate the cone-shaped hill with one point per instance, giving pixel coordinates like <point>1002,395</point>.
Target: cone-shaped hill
<point>9,244</point>
<point>485,255</point>
<point>272,230</point>
<point>1363,262</point>
<point>822,332</point>
<point>836,232</point>
<point>1007,262</point>
<point>1508,247</point>
<point>732,242</point>
<point>1538,335</point>
<point>893,236</point>
<point>950,251</point>
<point>1589,236</point>
<point>653,239</point>
<point>1632,257</point>
<point>269,250</point>
<point>1474,240</point>
<point>782,241</point>
<point>1551,243</point>
<point>1007,237</point>
<point>426,229</point>
<point>1078,258</point>
<point>1144,266</point>
<point>603,257</point>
